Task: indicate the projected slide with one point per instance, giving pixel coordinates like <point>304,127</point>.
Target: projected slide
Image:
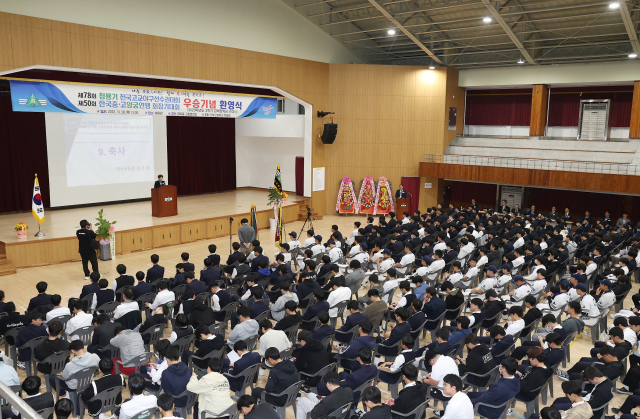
<point>102,150</point>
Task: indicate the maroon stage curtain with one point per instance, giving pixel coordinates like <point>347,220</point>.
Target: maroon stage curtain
<point>483,193</point>
<point>201,154</point>
<point>564,106</point>
<point>300,176</point>
<point>23,141</point>
<point>499,107</point>
<point>578,202</point>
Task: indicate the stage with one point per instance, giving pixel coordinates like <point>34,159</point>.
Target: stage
<point>199,217</point>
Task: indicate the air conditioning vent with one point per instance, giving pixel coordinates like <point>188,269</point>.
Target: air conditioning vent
<point>594,119</point>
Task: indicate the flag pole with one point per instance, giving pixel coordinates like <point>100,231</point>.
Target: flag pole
<point>39,233</point>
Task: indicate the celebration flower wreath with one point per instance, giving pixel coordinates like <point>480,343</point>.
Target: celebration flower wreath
<point>346,195</point>
<point>384,199</point>
<point>366,199</point>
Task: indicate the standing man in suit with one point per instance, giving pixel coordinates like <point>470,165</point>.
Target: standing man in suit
<point>160,182</point>
<point>246,234</point>
<point>567,215</point>
<point>85,236</point>
<point>401,193</point>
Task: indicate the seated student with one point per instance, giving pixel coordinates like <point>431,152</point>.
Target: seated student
<point>251,410</point>
<point>462,330</point>
<point>504,390</point>
<point>441,344</point>
<point>374,283</point>
<point>621,345</point>
<point>313,407</point>
<point>131,345</point>
<point>557,298</point>
<point>573,402</point>
<point>492,307</point>
<point>307,285</point>
<point>104,295</point>
<point>278,308</point>
<point>245,329</point>
<point>479,361</point>
<point>80,360</point>
<point>502,341</point>
<point>417,317</point>
<point>420,287</point>
<point>183,328</point>
<point>138,402</point>
<point>314,309</point>
<point>413,393</point>
<point>106,382</point>
<point>123,280</point>
<point>257,257</point>
<point>612,368</point>
<point>433,307</point>
<point>518,294</point>
<point>198,287</point>
<point>104,330</point>
<point>188,266</point>
<point>390,370</point>
<point>552,345</point>
<point>164,296</point>
<point>79,319</point>
<point>347,356</point>
<point>363,373</point>
<point>57,310</point>
<point>55,343</point>
<point>401,329</point>
<point>282,375</point>
<point>272,338</point>
<point>310,357</point>
<point>141,287</point>
<point>325,330</point>
<point>291,318</point>
<point>202,314</point>
<point>441,366</point>
<point>159,317</point>
<point>212,389</point>
<point>377,305</point>
<point>63,408</point>
<point>42,299</point>
<point>153,371</point>
<point>516,322</point>
<point>488,283</point>
<point>34,329</point>
<point>127,305</point>
<point>210,274</point>
<point>281,274</point>
<point>156,271</point>
<point>206,343</point>
<point>234,256</point>
<point>260,304</point>
<point>35,400</point>
<point>247,360</point>
<point>531,316</point>
<point>535,376</point>
<point>187,302</point>
<point>353,319</point>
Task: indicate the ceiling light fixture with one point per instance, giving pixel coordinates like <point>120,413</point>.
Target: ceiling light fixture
<point>391,31</point>
<point>614,5</point>
<point>520,61</point>
<point>633,55</point>
<point>487,19</point>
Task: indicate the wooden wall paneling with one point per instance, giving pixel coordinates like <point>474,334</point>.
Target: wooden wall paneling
<point>125,242</point>
<point>166,236</point>
<point>190,232</point>
<point>538,110</point>
<point>144,239</point>
<point>634,129</point>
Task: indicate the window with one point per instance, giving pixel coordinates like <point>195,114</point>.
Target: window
<point>280,106</point>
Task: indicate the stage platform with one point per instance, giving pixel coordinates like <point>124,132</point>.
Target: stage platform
<point>199,217</point>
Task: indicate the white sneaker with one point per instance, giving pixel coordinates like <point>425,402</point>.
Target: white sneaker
<point>21,365</point>
<point>261,372</point>
<point>86,278</point>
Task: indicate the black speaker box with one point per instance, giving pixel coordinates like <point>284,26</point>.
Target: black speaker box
<point>329,133</point>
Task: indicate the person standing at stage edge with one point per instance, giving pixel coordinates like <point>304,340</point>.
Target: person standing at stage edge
<point>86,236</point>
<point>246,234</point>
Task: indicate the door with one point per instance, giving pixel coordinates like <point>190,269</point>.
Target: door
<point>412,186</point>
<point>300,176</point>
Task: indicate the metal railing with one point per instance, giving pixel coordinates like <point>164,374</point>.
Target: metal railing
<point>16,402</point>
<point>537,164</point>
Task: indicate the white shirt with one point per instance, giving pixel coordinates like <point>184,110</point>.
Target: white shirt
<point>488,283</point>
<point>515,327</point>
<point>630,336</point>
<point>125,308</point>
<point>533,275</point>
<point>589,305</point>
<point>538,286</point>
<point>501,283</point>
<point>435,266</point>
<point>482,261</point>
<point>559,300</point>
<point>274,339</point>
<point>355,249</point>
<point>465,250</point>
<point>81,319</point>
<point>294,244</point>
<point>459,407</point>
<point>405,220</point>
<point>455,277</point>
<point>309,241</point>
<point>376,256</point>
<point>573,295</point>
<point>443,366</point>
<point>398,362</point>
<point>403,301</point>
<point>606,300</point>
<point>163,297</point>
<point>590,268</point>
<point>543,245</point>
<point>335,254</point>
<point>405,261</point>
<point>440,246</point>
<point>472,318</point>
<point>518,243</point>
<point>57,312</point>
<point>516,264</point>
<point>521,292</point>
<point>386,264</point>
<point>361,257</point>
<point>338,295</point>
<point>318,249</point>
<point>136,405</point>
<point>388,285</point>
<point>287,256</point>
<point>156,373</point>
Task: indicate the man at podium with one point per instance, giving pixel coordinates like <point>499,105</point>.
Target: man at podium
<point>400,193</point>
<point>160,182</point>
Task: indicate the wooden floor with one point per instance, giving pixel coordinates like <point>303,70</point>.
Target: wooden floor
<point>67,280</point>
<point>62,223</point>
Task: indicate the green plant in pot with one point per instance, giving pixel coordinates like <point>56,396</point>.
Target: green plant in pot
<point>104,227</point>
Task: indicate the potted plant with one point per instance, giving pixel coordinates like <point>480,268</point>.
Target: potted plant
<point>21,228</point>
<point>275,198</point>
<point>105,229</point>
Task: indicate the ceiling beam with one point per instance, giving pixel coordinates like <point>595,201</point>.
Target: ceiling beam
<point>405,31</point>
<point>628,23</point>
<point>508,31</point>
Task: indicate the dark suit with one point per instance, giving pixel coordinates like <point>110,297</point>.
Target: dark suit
<point>124,281</point>
<point>247,360</point>
<point>189,267</point>
<point>233,258</point>
<point>40,402</point>
<point>102,335</point>
<point>154,273</point>
<point>352,321</point>
<point>401,193</point>
<point>351,353</point>
<point>312,312</point>
<point>26,334</point>
<point>197,286</point>
<point>158,183</point>
<point>89,289</point>
<point>499,346</point>
<point>256,260</point>
<point>209,275</point>
<point>104,296</point>
<point>323,332</point>
<point>141,289</point>
<point>38,301</point>
<point>433,309</point>
<point>85,237</point>
<point>258,308</point>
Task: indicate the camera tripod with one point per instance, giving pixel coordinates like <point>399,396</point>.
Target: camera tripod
<point>308,220</point>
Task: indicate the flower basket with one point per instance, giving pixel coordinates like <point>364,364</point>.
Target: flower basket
<point>346,202</point>
<point>21,228</point>
<point>384,197</point>
<point>367,198</point>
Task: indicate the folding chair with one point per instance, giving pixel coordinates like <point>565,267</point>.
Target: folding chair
<point>533,406</point>
<point>415,413</point>
<point>183,343</point>
<point>83,377</point>
<point>340,413</point>
<point>320,373</point>
<point>192,398</point>
<point>136,363</point>
<point>232,413</point>
<point>106,398</point>
<point>493,377</point>
<point>84,334</point>
<point>145,414</point>
<point>57,361</point>
<point>341,307</point>
<point>504,406</point>
<point>213,354</point>
<point>62,319</point>
<point>291,393</point>
<point>248,375</point>
<point>108,308</point>
<point>155,334</point>
<point>292,332</point>
<point>31,345</point>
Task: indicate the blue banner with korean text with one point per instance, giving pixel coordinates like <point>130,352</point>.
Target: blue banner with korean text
<point>29,96</point>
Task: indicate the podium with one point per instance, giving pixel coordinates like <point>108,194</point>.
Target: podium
<point>164,201</point>
<point>402,205</point>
